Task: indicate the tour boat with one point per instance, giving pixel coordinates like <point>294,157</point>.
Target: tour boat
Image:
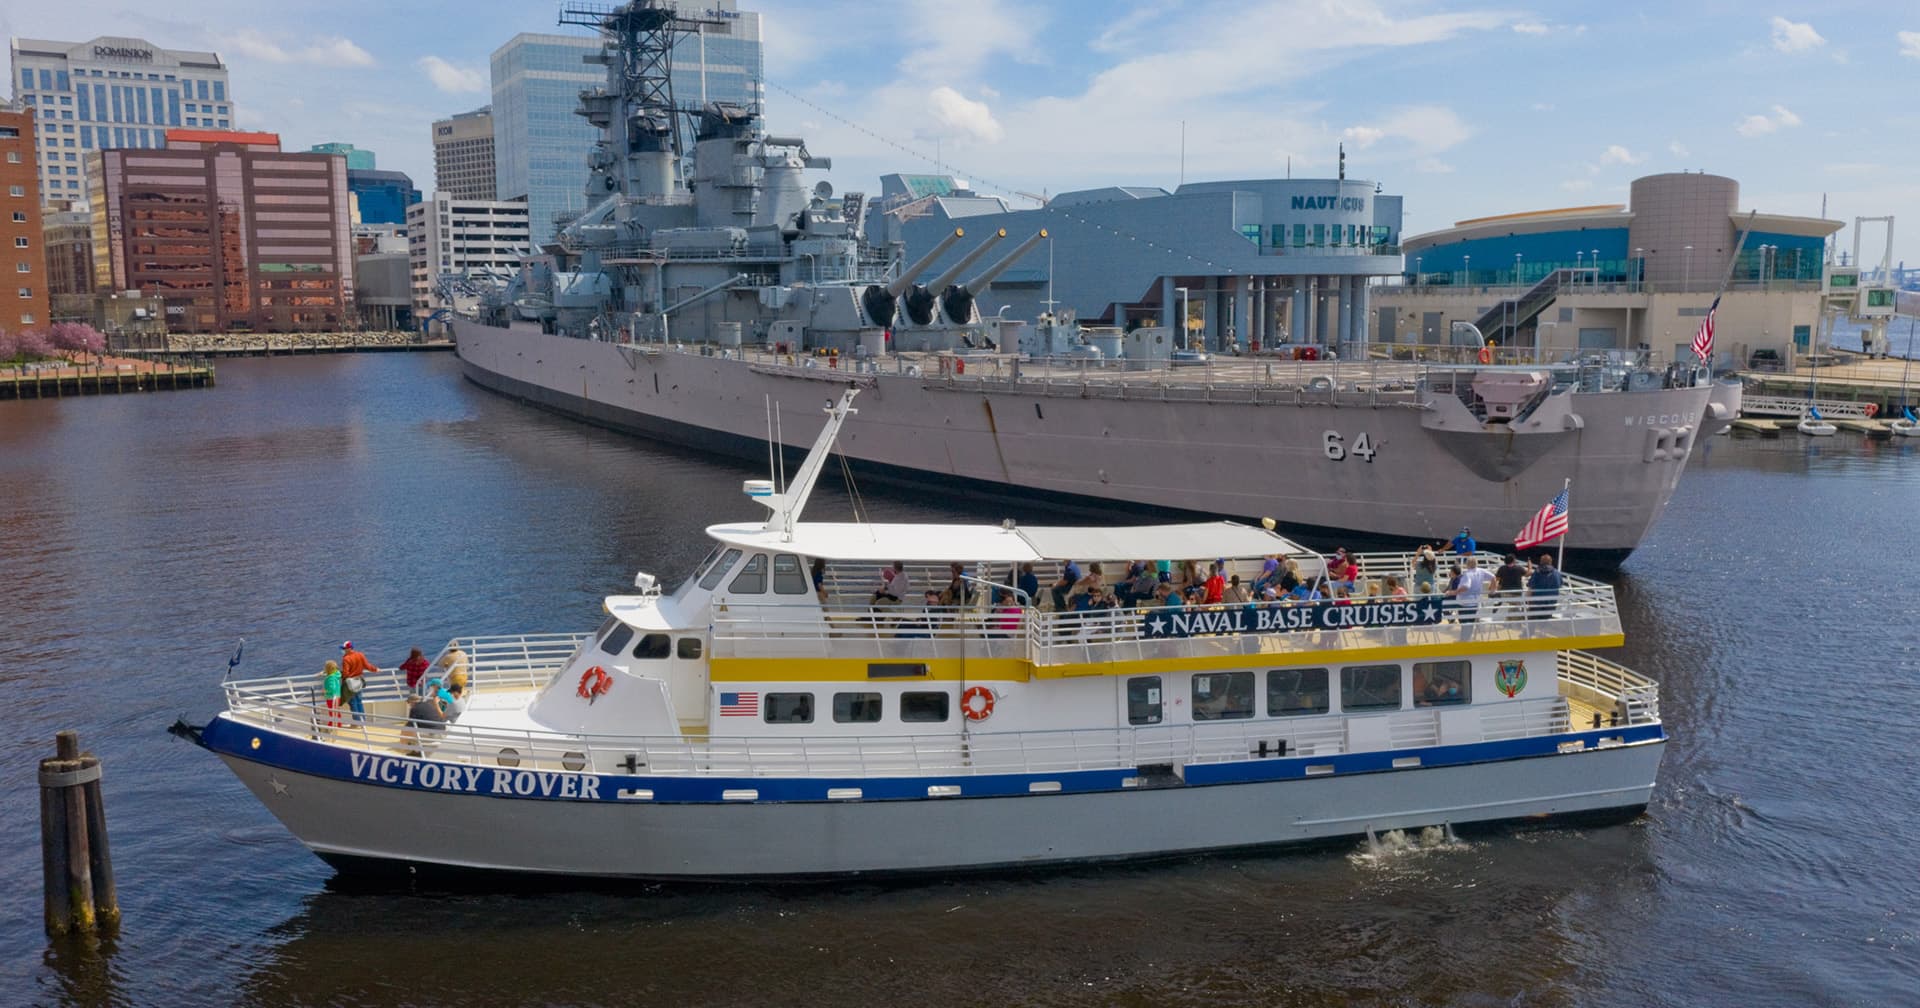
<point>772,717</point>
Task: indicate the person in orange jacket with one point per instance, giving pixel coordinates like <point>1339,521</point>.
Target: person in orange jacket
<point>354,667</point>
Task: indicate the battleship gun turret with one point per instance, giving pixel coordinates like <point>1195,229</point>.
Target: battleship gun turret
<point>956,302</point>
<point>879,302</point>
<point>921,300</point>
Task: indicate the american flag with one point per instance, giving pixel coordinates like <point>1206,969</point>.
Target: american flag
<point>739,704</point>
<point>1703,340</point>
<point>1548,524</point>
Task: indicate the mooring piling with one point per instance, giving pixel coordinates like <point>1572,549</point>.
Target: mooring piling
<point>77,870</point>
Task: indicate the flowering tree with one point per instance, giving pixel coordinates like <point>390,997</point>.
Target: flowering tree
<point>77,336</point>
<point>32,344</point>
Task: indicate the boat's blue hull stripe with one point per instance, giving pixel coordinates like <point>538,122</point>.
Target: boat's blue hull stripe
<point>307,756</point>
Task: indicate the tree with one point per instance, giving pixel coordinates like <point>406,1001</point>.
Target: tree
<point>77,336</point>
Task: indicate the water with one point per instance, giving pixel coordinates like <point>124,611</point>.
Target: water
<point>379,498</point>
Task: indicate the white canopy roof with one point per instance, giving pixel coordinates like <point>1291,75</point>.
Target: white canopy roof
<point>995,544</point>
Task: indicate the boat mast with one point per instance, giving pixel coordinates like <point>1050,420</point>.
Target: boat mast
<point>787,504</point>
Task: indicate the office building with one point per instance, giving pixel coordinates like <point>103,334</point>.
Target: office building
<point>68,237</point>
<point>22,245</point>
<point>112,91</point>
<point>451,238</point>
<point>463,155</point>
<point>540,145</point>
<point>234,234</point>
<point>381,197</point>
<point>357,159</point>
<point>1635,276</point>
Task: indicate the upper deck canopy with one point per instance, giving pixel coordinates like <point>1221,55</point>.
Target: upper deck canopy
<point>995,544</point>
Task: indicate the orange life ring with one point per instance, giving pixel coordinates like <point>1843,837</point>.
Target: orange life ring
<point>594,683</point>
<point>1873,410</point>
<point>977,711</point>
<point>1486,355</point>
<point>959,367</point>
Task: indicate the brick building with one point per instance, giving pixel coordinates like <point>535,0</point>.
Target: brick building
<point>24,304</point>
<point>231,232</point>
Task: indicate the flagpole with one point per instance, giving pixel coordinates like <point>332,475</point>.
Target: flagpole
<point>1566,488</point>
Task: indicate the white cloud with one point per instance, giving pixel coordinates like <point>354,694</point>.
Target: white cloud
<point>1362,137</point>
<point>1531,28</point>
<point>1541,106</point>
<point>323,50</point>
<point>1761,125</point>
<point>971,118</point>
<point>1432,166</point>
<point>452,79</point>
<point>1576,185</point>
<point>1910,44</point>
<point>1618,155</point>
<point>1795,36</point>
<point>1678,149</point>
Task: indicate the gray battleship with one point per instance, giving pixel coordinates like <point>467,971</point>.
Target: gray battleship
<point>707,289</point>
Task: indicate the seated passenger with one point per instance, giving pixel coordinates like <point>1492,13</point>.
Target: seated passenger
<point>920,624</point>
<point>426,719</point>
<point>1069,576</point>
<point>1236,592</point>
<point>456,703</point>
<point>1216,584</point>
<point>894,585</point>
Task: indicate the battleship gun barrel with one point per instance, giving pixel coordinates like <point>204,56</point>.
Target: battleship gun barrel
<point>979,283</point>
<point>953,272</point>
<point>905,279</point>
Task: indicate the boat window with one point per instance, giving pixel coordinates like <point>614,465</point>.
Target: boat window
<point>1438,683</point>
<point>719,569</point>
<point>856,708</point>
<point>616,640</point>
<point>927,707</point>
<point>1143,700</point>
<point>700,569</point>
<point>752,579</point>
<point>788,578</point>
<point>1370,687</point>
<point>1296,691</point>
<point>789,708</point>
<point>653,645</point>
<point>689,648</point>
<point>1222,696</point>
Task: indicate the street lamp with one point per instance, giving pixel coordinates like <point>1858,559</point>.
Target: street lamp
<point>1595,262</point>
<point>1466,268</point>
<point>1416,271</point>
<point>1639,268</point>
<point>1576,266</point>
<point>1516,269</point>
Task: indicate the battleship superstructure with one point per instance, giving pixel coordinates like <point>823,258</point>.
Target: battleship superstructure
<point>706,279</point>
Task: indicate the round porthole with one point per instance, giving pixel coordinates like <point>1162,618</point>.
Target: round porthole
<point>508,758</point>
<point>573,760</point>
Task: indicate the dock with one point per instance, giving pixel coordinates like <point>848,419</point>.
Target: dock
<point>56,379</point>
<point>290,344</point>
<point>1850,378</point>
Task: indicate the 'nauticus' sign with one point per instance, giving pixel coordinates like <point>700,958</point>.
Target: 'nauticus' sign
<point>1189,621</point>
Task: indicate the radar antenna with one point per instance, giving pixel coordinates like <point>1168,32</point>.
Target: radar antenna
<point>641,34</point>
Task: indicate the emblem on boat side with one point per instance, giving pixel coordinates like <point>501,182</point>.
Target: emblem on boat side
<point>1511,677</point>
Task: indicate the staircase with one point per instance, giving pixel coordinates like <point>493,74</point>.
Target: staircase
<point>1506,317</point>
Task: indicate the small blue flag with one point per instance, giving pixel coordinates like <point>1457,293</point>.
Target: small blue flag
<point>235,660</point>
<point>1814,412</point>
<point>1910,417</point>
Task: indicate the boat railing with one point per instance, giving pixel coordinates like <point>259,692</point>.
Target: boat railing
<point>287,706</point>
<point>1581,608</point>
<point>1630,697</point>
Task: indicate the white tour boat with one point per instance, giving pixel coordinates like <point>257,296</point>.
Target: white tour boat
<point>766,719</point>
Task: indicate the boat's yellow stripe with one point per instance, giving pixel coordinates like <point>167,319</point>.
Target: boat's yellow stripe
<point>1020,670</point>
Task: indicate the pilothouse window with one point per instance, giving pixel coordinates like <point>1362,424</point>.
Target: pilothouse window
<point>617,639</point>
<point>719,569</point>
<point>752,579</point>
<point>788,578</point>
<point>653,645</point>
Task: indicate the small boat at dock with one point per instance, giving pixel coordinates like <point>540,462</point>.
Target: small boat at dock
<point>784,713</point>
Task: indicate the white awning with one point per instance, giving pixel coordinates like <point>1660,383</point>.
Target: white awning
<point>994,544</point>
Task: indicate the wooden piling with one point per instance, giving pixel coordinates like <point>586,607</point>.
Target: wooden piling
<point>80,894</point>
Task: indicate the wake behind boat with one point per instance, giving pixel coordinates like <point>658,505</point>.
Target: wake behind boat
<point>780,715</point>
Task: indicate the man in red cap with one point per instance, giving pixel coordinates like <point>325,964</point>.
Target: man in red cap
<point>354,667</point>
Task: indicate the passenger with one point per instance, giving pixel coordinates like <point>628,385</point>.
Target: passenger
<point>1269,574</point>
<point>920,624</point>
<point>1344,571</point>
<point>1236,592</point>
<point>1463,544</point>
<point>1471,589</point>
<point>1165,595</point>
<point>1426,570</point>
<point>415,666</point>
<point>1510,582</point>
<point>1007,613</point>
<point>1069,576</point>
<point>1090,587</point>
<point>956,593</point>
<point>1304,591</point>
<point>818,572</point>
<point>354,667</point>
<point>1029,584</point>
<point>894,585</point>
<point>1143,586</point>
<point>1289,575</point>
<point>1189,574</point>
<point>426,718</point>
<point>456,701</point>
<point>1394,588</point>
<point>1544,585</point>
<point>453,663</point>
<point>330,689</point>
<point>1216,585</point>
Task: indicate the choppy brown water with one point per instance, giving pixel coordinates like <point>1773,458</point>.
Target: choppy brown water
<point>381,498</point>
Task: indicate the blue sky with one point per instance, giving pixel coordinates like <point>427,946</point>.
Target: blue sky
<point>1464,109</point>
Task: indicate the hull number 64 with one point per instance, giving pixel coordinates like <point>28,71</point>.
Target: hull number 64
<point>1336,446</point>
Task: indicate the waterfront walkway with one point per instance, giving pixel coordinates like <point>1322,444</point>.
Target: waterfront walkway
<point>65,377</point>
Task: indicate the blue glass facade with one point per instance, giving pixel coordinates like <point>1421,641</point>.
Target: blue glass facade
<point>540,145</point>
<point>1490,261</point>
<point>383,195</point>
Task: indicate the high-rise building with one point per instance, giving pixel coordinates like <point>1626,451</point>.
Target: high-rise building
<point>540,146</point>
<point>463,155</point>
<point>234,234</point>
<point>69,248</point>
<point>382,196</point>
<point>113,92</point>
<point>22,246</point>
<point>454,237</point>
<point>357,159</point>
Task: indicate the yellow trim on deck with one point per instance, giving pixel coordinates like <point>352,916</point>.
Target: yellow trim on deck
<point>1019,670</point>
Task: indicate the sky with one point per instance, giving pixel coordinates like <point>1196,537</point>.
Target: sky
<point>1464,109</point>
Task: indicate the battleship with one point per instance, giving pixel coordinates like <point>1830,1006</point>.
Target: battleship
<point>709,296</point>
